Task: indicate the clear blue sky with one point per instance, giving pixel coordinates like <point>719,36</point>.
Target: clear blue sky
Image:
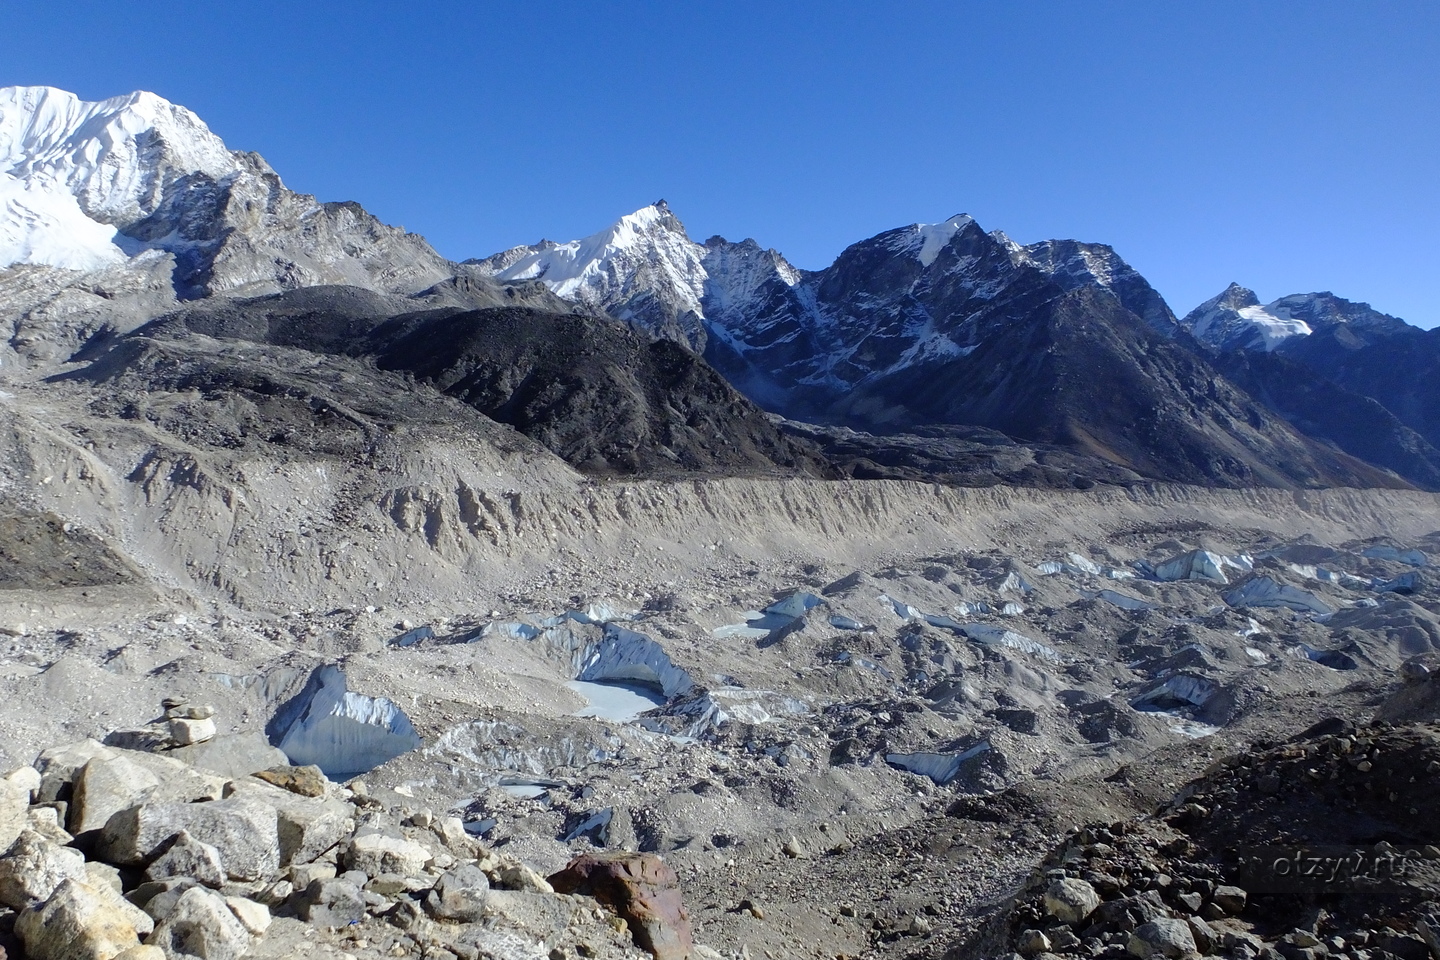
<point>1288,146</point>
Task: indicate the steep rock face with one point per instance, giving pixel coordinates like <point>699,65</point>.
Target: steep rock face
<point>1339,370</point>
<point>1084,372</point>
<point>1235,320</point>
<point>602,396</point>
<point>1073,264</point>
<point>1320,408</point>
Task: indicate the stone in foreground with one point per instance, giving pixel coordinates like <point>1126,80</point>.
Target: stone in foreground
<point>642,889</point>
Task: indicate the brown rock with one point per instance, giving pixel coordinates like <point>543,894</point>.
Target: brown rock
<point>642,889</point>
<point>306,781</point>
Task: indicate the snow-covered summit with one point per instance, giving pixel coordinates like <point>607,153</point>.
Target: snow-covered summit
<point>926,240</point>
<point>1235,320</point>
<point>643,267</point>
<point>74,173</point>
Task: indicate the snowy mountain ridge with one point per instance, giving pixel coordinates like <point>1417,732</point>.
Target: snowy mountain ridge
<point>113,210</point>
<point>73,173</point>
<point>1234,319</point>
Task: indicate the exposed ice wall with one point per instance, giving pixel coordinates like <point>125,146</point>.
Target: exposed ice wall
<point>629,657</point>
<point>342,733</point>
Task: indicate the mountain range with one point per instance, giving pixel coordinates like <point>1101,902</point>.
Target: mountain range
<point>127,228</point>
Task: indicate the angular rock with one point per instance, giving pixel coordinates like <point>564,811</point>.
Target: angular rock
<point>201,925</point>
<point>374,854</point>
<point>58,766</point>
<point>77,922</point>
<point>46,822</point>
<point>104,877</point>
<point>308,781</point>
<point>186,732</point>
<point>1032,942</point>
<point>330,903</point>
<point>105,786</point>
<point>27,779</point>
<point>1071,901</point>
<point>511,874</point>
<point>642,889</point>
<point>1165,937</point>
<point>1229,899</point>
<point>459,895</point>
<point>14,812</point>
<point>243,830</point>
<point>254,917</point>
<point>144,951</point>
<point>34,867</point>
<point>188,857</point>
<point>230,755</point>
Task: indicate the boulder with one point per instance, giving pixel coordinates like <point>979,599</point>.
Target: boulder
<point>105,786</point>
<point>202,925</point>
<point>459,895</point>
<point>377,853</point>
<point>185,731</point>
<point>1229,899</point>
<point>144,951</point>
<point>308,828</point>
<point>160,902</point>
<point>330,903</point>
<point>27,779</point>
<point>242,829</point>
<point>308,781</point>
<point>46,822</point>
<point>1164,937</point>
<point>77,922</point>
<point>641,888</point>
<point>1071,901</point>
<point>230,755</point>
<point>188,857</point>
<point>34,867</point>
<point>14,812</point>
<point>254,917</point>
<point>58,766</point>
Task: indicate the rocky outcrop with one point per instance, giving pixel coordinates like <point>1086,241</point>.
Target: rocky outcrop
<point>642,889</point>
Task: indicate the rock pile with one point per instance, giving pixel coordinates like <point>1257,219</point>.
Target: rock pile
<point>1321,847</point>
<point>109,852</point>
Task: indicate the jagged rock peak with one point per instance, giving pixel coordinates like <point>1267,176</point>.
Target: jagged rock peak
<point>1234,320</point>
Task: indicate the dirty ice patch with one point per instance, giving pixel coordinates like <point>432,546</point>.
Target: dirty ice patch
<point>1414,558</point>
<point>1117,599</point>
<point>939,767</point>
<point>1264,592</point>
<point>991,636</point>
<point>1196,565</point>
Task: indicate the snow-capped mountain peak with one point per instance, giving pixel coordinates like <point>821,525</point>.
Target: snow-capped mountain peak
<point>643,268</point>
<point>73,173</point>
<point>1234,319</point>
<point>926,240</point>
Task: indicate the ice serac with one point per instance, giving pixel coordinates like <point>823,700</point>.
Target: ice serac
<point>643,268</point>
<point>91,185</point>
<point>341,732</point>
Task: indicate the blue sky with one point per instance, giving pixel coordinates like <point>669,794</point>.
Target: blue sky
<point>1287,146</point>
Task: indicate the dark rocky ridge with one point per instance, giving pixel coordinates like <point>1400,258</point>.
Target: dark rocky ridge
<point>592,390</point>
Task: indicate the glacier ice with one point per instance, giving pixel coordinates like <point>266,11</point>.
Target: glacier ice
<point>628,657</point>
<point>939,767</point>
<point>1264,592</point>
<point>1117,599</point>
<point>1197,565</point>
<point>1414,558</point>
<point>343,733</point>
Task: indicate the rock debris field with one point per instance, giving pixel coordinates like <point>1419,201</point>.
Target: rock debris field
<point>1034,744</point>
